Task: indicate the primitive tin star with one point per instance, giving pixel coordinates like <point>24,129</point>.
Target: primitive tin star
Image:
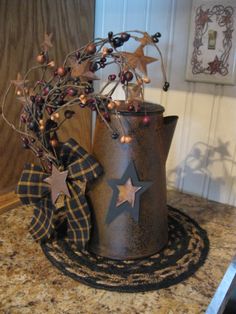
<point>19,82</point>
<point>47,41</point>
<point>126,194</point>
<point>138,60</point>
<point>82,71</point>
<point>58,183</point>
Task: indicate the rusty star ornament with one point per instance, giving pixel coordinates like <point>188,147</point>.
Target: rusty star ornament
<point>82,70</point>
<point>58,183</point>
<point>126,195</point>
<point>135,95</point>
<point>24,100</point>
<point>19,82</point>
<point>145,40</point>
<point>137,59</point>
<point>47,43</point>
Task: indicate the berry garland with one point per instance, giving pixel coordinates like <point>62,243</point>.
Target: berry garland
<point>72,84</point>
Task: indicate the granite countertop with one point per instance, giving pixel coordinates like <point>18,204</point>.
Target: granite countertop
<point>30,284</point>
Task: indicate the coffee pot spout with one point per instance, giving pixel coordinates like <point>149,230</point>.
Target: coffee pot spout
<point>169,128</point>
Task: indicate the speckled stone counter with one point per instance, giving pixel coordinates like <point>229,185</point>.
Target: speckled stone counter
<point>30,284</point>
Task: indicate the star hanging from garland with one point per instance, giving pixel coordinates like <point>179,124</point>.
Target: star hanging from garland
<point>215,66</point>
<point>58,183</point>
<point>126,194</point>
<point>47,43</point>
<point>137,59</point>
<point>19,82</point>
<point>82,71</point>
<point>145,40</point>
<point>24,100</point>
<point>135,96</point>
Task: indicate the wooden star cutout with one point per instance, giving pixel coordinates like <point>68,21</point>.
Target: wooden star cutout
<point>58,183</point>
<point>215,66</point>
<point>47,41</point>
<point>82,71</point>
<point>138,60</point>
<point>126,194</point>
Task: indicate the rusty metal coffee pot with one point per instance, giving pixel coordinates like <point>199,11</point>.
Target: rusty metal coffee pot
<point>123,237</point>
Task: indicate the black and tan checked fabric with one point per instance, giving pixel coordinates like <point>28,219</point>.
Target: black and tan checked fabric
<point>81,165</point>
<point>42,224</point>
<point>31,189</point>
<point>78,217</point>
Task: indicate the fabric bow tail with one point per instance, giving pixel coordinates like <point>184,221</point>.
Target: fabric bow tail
<point>32,190</point>
<point>83,168</point>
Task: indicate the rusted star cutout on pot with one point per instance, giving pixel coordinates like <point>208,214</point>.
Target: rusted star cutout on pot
<point>58,183</point>
<point>126,194</point>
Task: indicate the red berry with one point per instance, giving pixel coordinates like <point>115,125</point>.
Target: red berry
<point>111,77</point>
<point>46,91</point>
<point>128,76</point>
<point>23,118</point>
<point>71,92</point>
<point>125,36</point>
<point>38,98</point>
<point>41,58</point>
<point>146,120</point>
<point>32,98</point>
<point>61,71</point>
<point>25,140</point>
<point>49,110</point>
<point>39,153</point>
<point>122,78</point>
<point>131,107</point>
<point>91,49</point>
<point>106,116</point>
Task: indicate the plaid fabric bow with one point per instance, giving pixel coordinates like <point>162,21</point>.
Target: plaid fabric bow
<point>31,189</point>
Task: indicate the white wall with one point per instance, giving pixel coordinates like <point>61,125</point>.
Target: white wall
<point>202,159</point>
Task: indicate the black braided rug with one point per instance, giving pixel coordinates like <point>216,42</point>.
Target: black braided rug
<point>186,251</point>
